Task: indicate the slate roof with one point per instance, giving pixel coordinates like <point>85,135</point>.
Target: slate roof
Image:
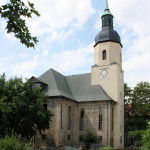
<point>107,34</point>
<point>75,87</point>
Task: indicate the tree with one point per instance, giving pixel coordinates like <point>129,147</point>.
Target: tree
<point>146,138</point>
<point>89,137</point>
<point>140,106</point>
<point>13,142</point>
<point>21,108</point>
<point>137,110</point>
<point>14,12</point>
<point>137,105</point>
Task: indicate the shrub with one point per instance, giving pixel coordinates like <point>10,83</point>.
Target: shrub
<point>13,142</point>
<point>89,137</point>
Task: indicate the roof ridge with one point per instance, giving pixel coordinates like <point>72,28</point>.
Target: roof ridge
<point>55,80</point>
<point>77,74</point>
<point>51,69</point>
<point>105,92</point>
<point>69,87</point>
<point>45,72</point>
<point>58,85</point>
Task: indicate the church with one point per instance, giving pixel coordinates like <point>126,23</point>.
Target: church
<point>92,100</point>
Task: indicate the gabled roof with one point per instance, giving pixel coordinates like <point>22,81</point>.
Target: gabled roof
<point>36,80</point>
<point>75,87</point>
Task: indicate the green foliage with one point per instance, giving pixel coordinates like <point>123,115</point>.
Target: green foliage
<point>13,142</point>
<point>141,105</point>
<point>127,90</point>
<point>136,135</point>
<point>90,136</point>
<point>146,138</point>
<point>137,110</point>
<point>21,108</point>
<point>14,12</point>
<point>128,118</point>
<point>137,105</point>
<point>142,137</point>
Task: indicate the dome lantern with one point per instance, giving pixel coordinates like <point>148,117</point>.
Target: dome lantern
<point>107,33</point>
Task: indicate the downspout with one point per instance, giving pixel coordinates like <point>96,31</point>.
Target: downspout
<point>61,114</point>
<point>107,123</point>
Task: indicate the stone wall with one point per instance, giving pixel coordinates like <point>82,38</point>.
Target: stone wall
<point>60,134</point>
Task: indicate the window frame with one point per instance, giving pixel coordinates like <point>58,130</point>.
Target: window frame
<point>104,55</point>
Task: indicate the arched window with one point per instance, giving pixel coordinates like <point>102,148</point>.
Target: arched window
<point>109,21</point>
<point>104,54</point>
<point>105,21</point>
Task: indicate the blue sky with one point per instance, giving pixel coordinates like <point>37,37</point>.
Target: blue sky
<point>66,32</point>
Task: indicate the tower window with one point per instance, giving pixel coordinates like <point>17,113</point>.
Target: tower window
<point>120,113</point>
<point>120,139</point>
<point>120,95</point>
<point>104,54</point>
<point>105,21</point>
<point>109,20</point>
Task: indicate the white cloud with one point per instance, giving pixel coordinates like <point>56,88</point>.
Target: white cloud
<point>3,2</point>
<point>133,18</point>
<point>23,56</point>
<point>22,68</point>
<point>66,62</point>
<point>71,61</point>
<point>132,14</point>
<point>60,18</point>
<point>5,63</point>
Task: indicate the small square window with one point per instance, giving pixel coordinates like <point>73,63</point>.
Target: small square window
<point>68,137</point>
<point>120,113</point>
<point>120,139</point>
<point>100,139</point>
<point>44,137</point>
<point>120,95</point>
<point>81,138</point>
<point>45,106</point>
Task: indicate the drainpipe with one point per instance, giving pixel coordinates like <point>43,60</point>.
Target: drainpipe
<point>107,123</point>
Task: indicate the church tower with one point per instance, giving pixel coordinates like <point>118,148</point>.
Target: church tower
<point>107,71</point>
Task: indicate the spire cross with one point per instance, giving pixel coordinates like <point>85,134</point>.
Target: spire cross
<point>107,7</point>
<point>107,11</point>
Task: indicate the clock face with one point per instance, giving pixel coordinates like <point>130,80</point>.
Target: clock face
<point>104,73</point>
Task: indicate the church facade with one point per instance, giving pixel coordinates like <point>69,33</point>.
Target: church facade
<point>88,101</point>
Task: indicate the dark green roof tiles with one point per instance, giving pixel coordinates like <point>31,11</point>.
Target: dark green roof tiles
<point>75,87</point>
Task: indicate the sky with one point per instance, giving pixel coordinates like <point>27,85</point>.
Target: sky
<point>66,30</point>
